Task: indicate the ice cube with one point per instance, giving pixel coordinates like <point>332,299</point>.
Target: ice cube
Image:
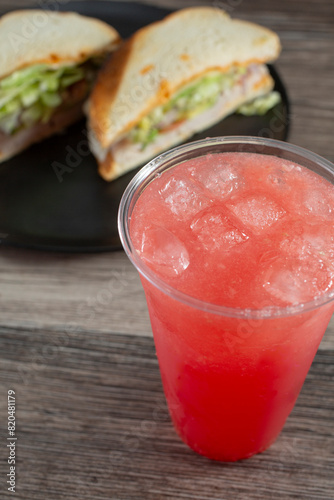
<point>317,245</point>
<point>161,248</point>
<point>286,286</point>
<point>184,197</point>
<point>322,244</point>
<point>216,232</point>
<point>281,174</point>
<point>317,204</point>
<point>300,246</point>
<point>257,212</point>
<point>218,177</point>
<point>296,282</point>
<point>278,179</point>
<point>296,247</point>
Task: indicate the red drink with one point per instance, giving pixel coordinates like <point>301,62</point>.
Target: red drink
<point>236,253</point>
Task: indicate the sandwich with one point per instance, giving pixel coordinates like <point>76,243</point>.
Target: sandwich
<point>174,78</point>
<point>48,64</point>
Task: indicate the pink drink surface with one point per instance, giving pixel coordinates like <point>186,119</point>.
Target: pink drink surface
<point>244,231</point>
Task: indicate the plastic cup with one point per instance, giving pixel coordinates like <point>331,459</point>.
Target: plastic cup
<point>231,376</point>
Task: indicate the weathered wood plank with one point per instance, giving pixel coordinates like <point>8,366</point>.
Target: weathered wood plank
<point>99,293</point>
<point>92,424</point>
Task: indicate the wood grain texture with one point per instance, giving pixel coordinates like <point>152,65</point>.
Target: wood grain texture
<point>75,342</point>
<point>87,292</point>
<point>93,424</point>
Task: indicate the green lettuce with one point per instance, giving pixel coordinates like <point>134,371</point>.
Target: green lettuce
<point>260,105</point>
<point>31,94</point>
<point>195,99</point>
<point>186,104</point>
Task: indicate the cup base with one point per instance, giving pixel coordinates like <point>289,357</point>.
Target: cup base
<point>225,456</point>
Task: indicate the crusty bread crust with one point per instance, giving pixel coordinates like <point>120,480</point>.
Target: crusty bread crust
<point>105,90</point>
<point>41,37</point>
<point>166,55</point>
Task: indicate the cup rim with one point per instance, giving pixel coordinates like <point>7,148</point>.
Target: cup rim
<point>153,167</point>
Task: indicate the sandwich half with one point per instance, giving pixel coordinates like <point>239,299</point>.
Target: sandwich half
<point>172,79</point>
<point>48,64</point>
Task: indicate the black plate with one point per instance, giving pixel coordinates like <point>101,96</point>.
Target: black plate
<point>80,213</point>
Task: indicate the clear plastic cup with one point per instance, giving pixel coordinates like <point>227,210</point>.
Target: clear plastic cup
<point>231,376</point>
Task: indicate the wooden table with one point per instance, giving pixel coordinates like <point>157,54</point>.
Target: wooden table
<point>76,344</point>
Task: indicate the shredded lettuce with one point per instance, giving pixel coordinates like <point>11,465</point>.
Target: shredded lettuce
<point>186,104</point>
<point>195,99</point>
<point>260,105</point>
<point>31,94</point>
